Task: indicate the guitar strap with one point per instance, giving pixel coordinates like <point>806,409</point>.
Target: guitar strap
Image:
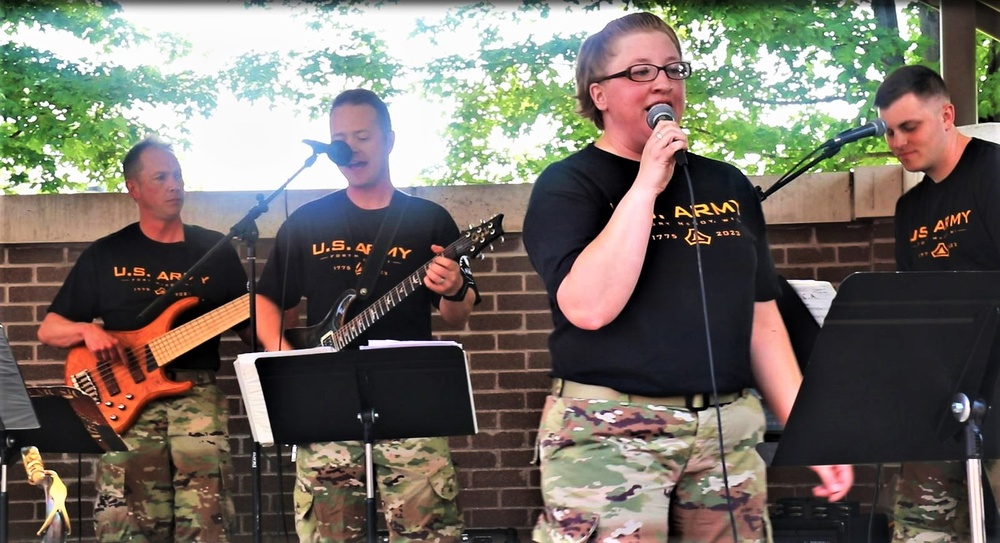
<point>386,233</point>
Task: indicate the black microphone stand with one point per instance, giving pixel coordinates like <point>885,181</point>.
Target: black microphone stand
<point>245,229</point>
<point>828,150</point>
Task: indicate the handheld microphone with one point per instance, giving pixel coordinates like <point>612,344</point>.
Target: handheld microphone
<point>663,112</point>
<point>338,152</point>
<point>874,128</point>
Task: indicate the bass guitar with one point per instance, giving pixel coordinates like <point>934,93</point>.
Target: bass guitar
<point>333,332</point>
<point>121,390</point>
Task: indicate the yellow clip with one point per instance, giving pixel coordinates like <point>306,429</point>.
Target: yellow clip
<point>55,489</point>
<point>55,502</point>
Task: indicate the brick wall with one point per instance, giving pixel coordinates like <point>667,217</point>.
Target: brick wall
<point>505,340</point>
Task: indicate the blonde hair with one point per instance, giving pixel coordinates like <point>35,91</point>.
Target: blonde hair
<point>596,50</point>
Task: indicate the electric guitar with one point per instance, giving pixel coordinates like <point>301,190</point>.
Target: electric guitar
<point>121,390</point>
<point>332,332</point>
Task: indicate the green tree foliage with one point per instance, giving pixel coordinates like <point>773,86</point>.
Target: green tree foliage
<point>772,81</point>
<point>305,79</point>
<point>68,116</point>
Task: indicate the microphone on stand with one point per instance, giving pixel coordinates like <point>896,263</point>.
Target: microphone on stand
<point>338,152</point>
<point>663,112</point>
<point>874,128</point>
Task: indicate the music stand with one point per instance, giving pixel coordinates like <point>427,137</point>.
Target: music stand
<point>886,368</point>
<point>16,413</point>
<point>367,395</point>
<point>53,419</point>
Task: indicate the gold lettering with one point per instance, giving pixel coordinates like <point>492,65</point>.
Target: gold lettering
<point>319,248</point>
<point>727,207</point>
<point>400,252</point>
<point>681,212</point>
<point>364,248</point>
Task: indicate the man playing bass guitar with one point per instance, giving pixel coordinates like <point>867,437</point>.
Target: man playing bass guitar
<point>319,253</point>
<point>174,482</point>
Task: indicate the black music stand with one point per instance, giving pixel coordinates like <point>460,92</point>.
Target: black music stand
<point>367,395</point>
<point>894,351</point>
<point>16,413</point>
<point>54,419</point>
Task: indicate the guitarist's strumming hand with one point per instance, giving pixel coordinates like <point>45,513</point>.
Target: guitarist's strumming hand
<point>61,332</point>
<point>105,347</point>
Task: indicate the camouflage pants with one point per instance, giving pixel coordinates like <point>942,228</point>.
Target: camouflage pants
<point>932,501</point>
<point>174,483</point>
<point>415,478</point>
<point>616,472</point>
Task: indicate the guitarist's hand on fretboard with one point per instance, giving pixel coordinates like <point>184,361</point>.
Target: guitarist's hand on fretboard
<point>443,276</point>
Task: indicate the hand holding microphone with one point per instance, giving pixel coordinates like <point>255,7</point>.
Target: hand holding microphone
<point>663,112</point>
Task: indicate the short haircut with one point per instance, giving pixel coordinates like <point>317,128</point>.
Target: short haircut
<point>920,80</point>
<point>595,51</point>
<point>362,97</point>
<point>131,165</point>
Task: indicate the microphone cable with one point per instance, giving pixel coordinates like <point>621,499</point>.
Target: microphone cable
<point>708,340</point>
<point>657,113</point>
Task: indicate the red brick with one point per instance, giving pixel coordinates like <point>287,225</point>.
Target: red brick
<point>501,283</point>
<point>523,341</point>
<point>16,313</point>
<point>497,361</point>
<point>523,380</point>
<point>777,255</point>
<point>538,321</point>
<point>510,264</point>
<point>538,301</point>
<point>885,251</point>
<point>11,275</point>
<point>854,253</point>
<point>487,321</point>
<point>499,400</point>
<point>540,360</point>
<point>17,294</point>
<point>843,233</point>
<point>533,283</point>
<point>810,255</point>
<point>781,235</point>
<point>35,255</point>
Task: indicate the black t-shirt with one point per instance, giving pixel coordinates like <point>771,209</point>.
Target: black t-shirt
<point>320,249</point>
<point>657,345</point>
<point>119,275</point>
<point>953,224</point>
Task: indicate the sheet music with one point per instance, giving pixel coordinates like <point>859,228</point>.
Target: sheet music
<point>816,295</point>
<point>253,396</point>
<point>394,343</point>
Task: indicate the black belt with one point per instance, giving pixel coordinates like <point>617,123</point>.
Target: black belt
<point>693,402</point>
<point>198,377</point>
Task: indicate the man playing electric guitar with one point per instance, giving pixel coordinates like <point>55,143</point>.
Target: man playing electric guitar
<point>320,252</point>
<point>174,482</point>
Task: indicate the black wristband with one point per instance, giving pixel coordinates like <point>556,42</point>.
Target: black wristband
<point>460,295</point>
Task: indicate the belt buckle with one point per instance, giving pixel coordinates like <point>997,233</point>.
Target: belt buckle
<point>695,402</point>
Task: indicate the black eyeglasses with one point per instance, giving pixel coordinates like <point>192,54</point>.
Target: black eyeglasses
<point>641,73</point>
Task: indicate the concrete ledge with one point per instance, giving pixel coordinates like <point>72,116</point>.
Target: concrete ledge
<point>68,218</point>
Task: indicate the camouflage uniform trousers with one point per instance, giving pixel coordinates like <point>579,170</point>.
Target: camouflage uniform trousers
<point>614,472</point>
<point>932,501</point>
<point>175,482</point>
<point>416,481</point>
